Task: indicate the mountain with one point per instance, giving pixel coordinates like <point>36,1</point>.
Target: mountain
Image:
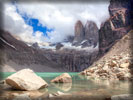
<point>115,57</point>
<point>17,55</point>
<point>116,26</point>
<point>91,32</point>
<point>117,64</point>
<point>79,32</point>
<point>87,35</point>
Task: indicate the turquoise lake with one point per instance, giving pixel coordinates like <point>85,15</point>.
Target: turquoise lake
<point>80,86</point>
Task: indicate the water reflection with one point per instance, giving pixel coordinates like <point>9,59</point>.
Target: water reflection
<point>64,86</point>
<point>81,87</point>
<point>10,94</point>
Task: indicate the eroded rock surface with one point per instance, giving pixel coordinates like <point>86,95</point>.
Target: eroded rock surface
<point>91,32</point>
<point>63,78</point>
<point>116,26</point>
<point>26,79</point>
<point>79,33</point>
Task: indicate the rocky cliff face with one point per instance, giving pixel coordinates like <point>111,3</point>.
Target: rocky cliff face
<point>91,32</point>
<point>73,60</point>
<point>21,54</point>
<point>79,32</point>
<point>59,60</point>
<point>116,26</point>
<point>85,35</point>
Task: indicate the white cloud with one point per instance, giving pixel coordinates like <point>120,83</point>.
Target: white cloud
<point>60,17</point>
<point>15,24</point>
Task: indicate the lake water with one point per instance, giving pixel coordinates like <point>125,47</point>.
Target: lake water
<point>81,88</point>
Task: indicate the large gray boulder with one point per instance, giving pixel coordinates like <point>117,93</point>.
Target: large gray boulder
<point>26,79</point>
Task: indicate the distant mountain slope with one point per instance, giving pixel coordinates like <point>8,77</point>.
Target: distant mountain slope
<point>20,55</point>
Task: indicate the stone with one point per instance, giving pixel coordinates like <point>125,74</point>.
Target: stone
<point>25,79</point>
<point>2,82</point>
<point>124,65</point>
<point>90,70</point>
<point>83,72</point>
<point>116,70</point>
<point>63,78</point>
<point>122,97</point>
<point>113,63</point>
<point>22,97</point>
<point>120,75</point>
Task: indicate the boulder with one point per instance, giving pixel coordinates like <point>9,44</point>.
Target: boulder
<point>63,78</point>
<point>124,65</point>
<point>26,79</point>
<point>122,97</point>
<point>120,76</point>
<point>113,63</point>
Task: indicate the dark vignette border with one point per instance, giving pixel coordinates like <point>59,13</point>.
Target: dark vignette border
<point>60,1</point>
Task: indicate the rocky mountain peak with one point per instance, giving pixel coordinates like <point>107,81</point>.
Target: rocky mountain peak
<point>116,26</point>
<point>116,5</point>
<point>85,35</point>
<point>79,32</point>
<point>91,32</point>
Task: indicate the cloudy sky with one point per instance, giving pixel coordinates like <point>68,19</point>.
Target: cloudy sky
<point>49,22</point>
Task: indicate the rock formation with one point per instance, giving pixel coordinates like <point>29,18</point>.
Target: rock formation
<point>116,26</point>
<point>85,35</point>
<point>26,79</point>
<point>91,32</point>
<point>79,32</point>
<point>63,78</point>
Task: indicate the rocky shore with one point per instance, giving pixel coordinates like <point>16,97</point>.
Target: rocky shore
<point>118,67</point>
<point>117,64</point>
